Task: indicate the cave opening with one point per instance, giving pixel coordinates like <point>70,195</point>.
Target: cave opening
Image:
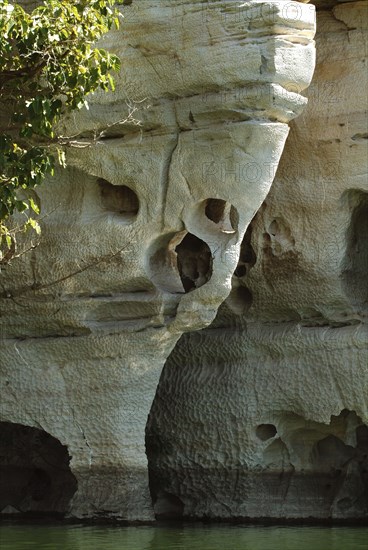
<point>119,200</point>
<point>35,477</point>
<point>194,259</point>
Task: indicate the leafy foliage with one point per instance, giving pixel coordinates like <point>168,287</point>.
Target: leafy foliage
<point>48,65</point>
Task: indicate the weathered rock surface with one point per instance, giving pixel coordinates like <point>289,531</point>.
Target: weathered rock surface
<point>265,413</point>
<point>143,233</point>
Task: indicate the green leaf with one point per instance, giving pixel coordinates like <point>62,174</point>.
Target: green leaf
<point>35,225</point>
<point>61,158</point>
<point>35,207</point>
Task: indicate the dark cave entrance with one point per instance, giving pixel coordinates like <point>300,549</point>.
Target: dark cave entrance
<point>35,476</point>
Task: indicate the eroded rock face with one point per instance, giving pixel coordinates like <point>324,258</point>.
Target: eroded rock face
<point>144,228</point>
<point>265,413</point>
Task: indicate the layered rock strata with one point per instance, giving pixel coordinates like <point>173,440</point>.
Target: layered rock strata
<point>142,232</point>
<point>265,413</point>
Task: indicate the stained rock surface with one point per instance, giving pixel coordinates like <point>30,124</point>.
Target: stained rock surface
<point>142,233</point>
<point>265,413</point>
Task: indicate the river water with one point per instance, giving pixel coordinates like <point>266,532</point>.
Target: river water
<point>184,537</point>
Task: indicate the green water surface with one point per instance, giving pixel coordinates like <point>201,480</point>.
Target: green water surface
<point>188,537</point>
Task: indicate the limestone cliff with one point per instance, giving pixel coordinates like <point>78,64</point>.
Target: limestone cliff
<point>265,413</point>
<point>146,234</point>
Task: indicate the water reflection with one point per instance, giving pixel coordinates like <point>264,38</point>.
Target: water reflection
<point>187,537</point>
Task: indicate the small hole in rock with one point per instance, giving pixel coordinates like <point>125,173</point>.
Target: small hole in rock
<point>279,237</point>
<point>215,209</point>
<point>239,300</point>
<point>247,257</point>
<point>274,228</point>
<point>119,199</point>
<point>266,431</point>
<point>194,262</point>
<point>222,214</point>
<point>240,271</point>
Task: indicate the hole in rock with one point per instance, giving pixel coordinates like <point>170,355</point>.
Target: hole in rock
<point>355,268</point>
<point>266,431</point>
<point>274,228</point>
<point>240,271</point>
<point>119,199</point>
<point>281,239</point>
<point>247,257</point>
<point>34,472</point>
<point>223,214</point>
<point>180,262</point>
<point>330,454</point>
<point>194,260</point>
<point>239,300</point>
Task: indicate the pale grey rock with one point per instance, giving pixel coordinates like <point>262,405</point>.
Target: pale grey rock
<point>142,232</point>
<point>265,413</point>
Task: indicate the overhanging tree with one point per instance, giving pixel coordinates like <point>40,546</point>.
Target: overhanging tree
<point>48,65</point>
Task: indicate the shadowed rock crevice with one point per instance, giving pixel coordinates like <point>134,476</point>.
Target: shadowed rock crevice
<point>35,476</point>
<point>194,262</point>
<point>355,267</point>
<point>240,298</point>
<point>266,431</point>
<point>247,258</point>
<point>119,199</point>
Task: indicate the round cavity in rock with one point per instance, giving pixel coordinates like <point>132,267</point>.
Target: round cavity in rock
<point>223,214</point>
<point>240,271</point>
<point>266,431</point>
<point>119,199</point>
<point>180,262</point>
<point>194,260</point>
